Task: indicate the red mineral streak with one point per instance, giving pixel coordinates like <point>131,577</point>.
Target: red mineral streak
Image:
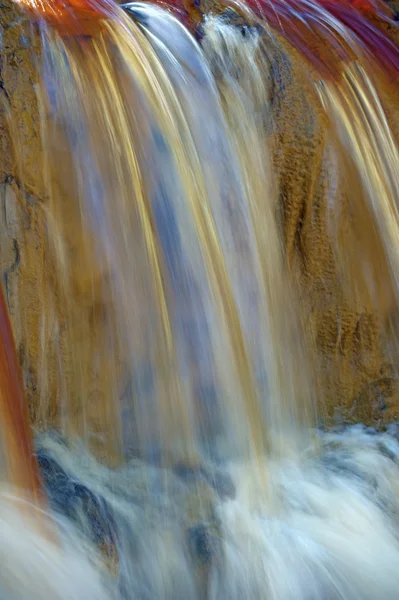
<point>313,28</point>
<point>14,418</point>
<point>71,17</point>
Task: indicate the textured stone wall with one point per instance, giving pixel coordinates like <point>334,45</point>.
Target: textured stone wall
<point>22,191</point>
<point>355,376</point>
<point>57,321</point>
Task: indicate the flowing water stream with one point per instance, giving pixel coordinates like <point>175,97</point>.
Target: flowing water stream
<point>198,471</point>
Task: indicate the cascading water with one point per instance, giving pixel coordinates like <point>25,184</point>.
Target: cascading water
<point>160,178</point>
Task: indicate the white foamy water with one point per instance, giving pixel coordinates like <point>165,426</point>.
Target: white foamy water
<point>327,527</point>
<point>35,567</point>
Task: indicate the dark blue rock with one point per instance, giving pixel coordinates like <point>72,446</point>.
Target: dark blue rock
<point>72,499</point>
<point>203,542</point>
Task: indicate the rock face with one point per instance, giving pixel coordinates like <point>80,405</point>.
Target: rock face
<point>357,380</point>
<point>45,320</point>
<point>22,195</point>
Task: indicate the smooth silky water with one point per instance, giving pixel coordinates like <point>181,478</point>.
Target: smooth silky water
<point>205,476</point>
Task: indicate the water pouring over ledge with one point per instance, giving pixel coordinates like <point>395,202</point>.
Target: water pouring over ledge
<point>160,146</point>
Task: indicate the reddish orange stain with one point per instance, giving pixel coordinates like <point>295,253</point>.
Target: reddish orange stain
<point>14,418</point>
<point>308,27</point>
<point>71,17</point>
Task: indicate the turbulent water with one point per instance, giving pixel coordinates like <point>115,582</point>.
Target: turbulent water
<point>330,532</point>
<point>220,486</point>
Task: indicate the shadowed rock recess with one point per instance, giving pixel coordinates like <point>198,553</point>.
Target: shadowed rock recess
<point>356,376</point>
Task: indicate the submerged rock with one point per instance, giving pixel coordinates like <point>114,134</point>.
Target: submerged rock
<point>220,481</point>
<point>72,498</point>
<point>204,542</point>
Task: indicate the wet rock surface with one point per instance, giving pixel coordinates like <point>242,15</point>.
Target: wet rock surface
<point>356,374</point>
